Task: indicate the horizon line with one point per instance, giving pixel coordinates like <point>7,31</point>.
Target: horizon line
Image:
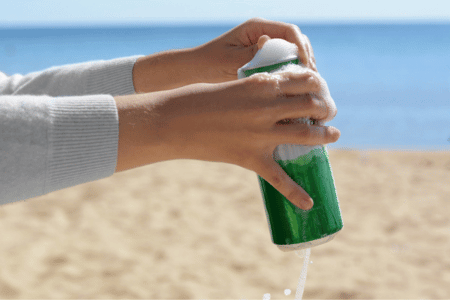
<point>171,23</point>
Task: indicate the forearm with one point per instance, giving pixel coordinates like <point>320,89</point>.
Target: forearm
<point>166,70</point>
<point>113,77</point>
<point>47,144</point>
<point>123,76</point>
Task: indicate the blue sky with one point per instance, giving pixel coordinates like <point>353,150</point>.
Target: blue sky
<point>52,12</point>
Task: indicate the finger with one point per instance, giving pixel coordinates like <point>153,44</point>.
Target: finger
<point>312,59</point>
<point>280,180</point>
<point>289,32</point>
<point>292,83</point>
<point>304,134</point>
<point>303,106</point>
<point>322,104</point>
<point>294,35</point>
<point>282,84</point>
<point>308,48</point>
<point>262,40</point>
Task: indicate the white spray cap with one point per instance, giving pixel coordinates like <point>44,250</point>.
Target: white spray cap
<point>273,52</point>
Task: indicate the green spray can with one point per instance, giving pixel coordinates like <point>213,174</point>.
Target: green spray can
<point>293,228</point>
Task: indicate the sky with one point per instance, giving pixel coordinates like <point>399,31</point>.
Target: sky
<point>101,12</point>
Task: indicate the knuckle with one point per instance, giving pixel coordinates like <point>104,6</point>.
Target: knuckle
<point>276,180</point>
<point>331,110</point>
<point>265,82</point>
<point>259,78</point>
<point>308,102</point>
<point>314,81</point>
<point>303,74</point>
<point>294,28</point>
<point>305,133</point>
<point>325,110</point>
<point>317,108</point>
<point>308,77</point>
<point>292,194</point>
<point>256,20</point>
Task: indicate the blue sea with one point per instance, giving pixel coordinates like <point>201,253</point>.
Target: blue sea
<point>391,83</point>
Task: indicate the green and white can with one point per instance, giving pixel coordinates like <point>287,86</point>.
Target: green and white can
<point>291,227</point>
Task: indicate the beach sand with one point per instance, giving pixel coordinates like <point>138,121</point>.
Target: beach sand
<point>189,229</point>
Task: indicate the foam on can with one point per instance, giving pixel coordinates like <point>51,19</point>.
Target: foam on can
<point>292,228</point>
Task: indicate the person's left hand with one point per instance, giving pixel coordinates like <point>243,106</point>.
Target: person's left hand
<point>223,56</point>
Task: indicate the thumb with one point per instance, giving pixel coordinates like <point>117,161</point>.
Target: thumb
<point>262,40</point>
<point>280,180</point>
<point>250,51</point>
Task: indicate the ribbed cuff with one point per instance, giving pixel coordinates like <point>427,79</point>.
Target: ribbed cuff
<point>113,77</point>
<point>83,139</point>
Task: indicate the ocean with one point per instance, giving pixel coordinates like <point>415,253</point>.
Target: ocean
<point>391,83</point>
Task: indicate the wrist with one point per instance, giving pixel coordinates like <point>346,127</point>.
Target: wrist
<point>166,70</point>
<point>141,141</point>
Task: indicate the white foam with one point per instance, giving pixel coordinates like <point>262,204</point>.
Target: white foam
<point>302,279</point>
<point>324,91</point>
<point>278,50</point>
<point>290,152</point>
<point>274,51</point>
<point>301,253</point>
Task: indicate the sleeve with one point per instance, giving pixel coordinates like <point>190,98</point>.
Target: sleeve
<point>48,143</point>
<point>112,77</point>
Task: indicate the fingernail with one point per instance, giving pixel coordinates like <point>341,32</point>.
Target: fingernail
<point>308,204</point>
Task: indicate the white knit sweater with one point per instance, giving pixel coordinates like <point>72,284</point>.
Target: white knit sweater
<point>59,127</point>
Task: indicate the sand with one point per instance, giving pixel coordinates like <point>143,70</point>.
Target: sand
<point>197,230</point>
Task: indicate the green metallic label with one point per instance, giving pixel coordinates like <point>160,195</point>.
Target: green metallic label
<point>292,225</point>
<point>269,68</point>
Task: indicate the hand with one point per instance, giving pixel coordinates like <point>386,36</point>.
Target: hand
<point>222,56</point>
<point>218,60</point>
<point>237,122</point>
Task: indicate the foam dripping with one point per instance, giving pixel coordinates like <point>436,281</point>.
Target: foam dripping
<point>305,253</point>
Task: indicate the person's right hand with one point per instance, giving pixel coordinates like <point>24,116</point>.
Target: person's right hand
<point>236,122</point>
<point>217,60</point>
